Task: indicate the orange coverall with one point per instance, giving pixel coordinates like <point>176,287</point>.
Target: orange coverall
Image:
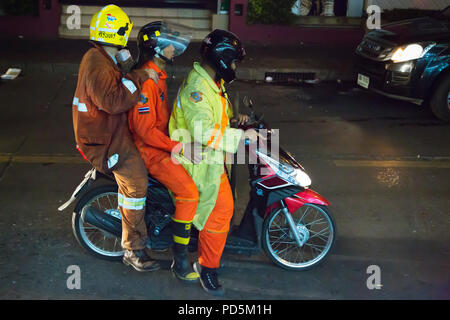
<point>148,123</point>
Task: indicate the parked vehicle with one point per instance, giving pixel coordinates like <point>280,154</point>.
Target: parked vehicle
<point>409,60</point>
<point>284,217</point>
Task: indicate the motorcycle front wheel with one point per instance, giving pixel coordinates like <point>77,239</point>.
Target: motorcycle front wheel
<point>96,241</point>
<point>315,224</point>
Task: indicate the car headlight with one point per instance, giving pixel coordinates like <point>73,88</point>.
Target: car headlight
<point>410,52</point>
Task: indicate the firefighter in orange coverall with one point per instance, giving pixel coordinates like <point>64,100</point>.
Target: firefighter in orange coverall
<point>148,122</point>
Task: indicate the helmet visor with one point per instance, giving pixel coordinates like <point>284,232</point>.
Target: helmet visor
<point>175,35</point>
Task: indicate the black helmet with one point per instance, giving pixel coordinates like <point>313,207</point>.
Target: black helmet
<point>220,49</point>
<point>154,37</point>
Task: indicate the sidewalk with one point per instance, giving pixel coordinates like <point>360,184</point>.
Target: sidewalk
<point>64,55</point>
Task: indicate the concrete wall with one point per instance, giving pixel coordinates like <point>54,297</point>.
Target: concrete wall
<point>289,35</point>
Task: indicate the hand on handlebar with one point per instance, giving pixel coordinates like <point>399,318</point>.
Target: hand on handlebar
<point>240,119</point>
<point>252,136</point>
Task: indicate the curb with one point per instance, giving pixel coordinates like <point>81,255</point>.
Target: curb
<point>243,73</point>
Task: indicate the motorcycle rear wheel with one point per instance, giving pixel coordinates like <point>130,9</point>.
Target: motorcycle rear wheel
<point>279,243</point>
<point>97,242</point>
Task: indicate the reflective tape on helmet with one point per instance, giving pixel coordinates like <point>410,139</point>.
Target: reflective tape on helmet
<point>108,30</point>
<point>131,203</point>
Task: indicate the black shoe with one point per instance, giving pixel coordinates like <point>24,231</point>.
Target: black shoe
<point>140,260</point>
<point>209,280</point>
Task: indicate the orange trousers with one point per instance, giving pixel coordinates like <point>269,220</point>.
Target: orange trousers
<point>213,237</point>
<point>175,178</point>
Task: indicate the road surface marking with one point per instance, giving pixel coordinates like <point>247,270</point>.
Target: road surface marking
<point>392,163</point>
<point>42,158</point>
<point>77,159</point>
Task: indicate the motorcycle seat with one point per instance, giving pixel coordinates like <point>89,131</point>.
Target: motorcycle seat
<point>154,183</point>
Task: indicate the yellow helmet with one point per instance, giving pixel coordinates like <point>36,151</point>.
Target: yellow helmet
<point>111,25</point>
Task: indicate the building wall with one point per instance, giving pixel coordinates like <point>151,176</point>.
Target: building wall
<point>410,4</point>
<point>43,25</point>
<point>289,35</point>
<point>198,21</point>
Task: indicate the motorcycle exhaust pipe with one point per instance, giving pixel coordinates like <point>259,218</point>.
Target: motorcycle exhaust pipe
<point>102,220</point>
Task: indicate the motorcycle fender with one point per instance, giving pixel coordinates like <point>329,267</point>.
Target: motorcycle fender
<point>88,178</point>
<point>299,199</point>
<point>306,196</point>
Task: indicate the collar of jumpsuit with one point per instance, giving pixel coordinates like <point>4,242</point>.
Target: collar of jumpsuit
<point>162,75</point>
<point>214,85</point>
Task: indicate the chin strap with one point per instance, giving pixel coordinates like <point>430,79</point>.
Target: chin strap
<point>159,54</point>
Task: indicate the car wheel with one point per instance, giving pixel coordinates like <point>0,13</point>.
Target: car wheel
<point>440,101</point>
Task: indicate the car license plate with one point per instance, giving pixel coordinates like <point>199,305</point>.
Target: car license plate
<point>363,81</point>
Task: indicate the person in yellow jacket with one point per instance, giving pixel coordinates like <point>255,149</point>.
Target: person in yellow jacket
<point>202,113</point>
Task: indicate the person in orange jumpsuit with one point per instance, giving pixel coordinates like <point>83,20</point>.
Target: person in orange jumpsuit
<point>148,123</point>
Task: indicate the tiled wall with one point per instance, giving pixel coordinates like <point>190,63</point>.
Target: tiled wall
<point>407,4</point>
<point>197,19</point>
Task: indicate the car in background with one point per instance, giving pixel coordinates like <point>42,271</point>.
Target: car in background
<point>409,60</point>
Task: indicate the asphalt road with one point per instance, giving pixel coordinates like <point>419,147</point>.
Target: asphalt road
<point>383,164</point>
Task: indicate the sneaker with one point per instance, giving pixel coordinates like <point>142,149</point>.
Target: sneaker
<point>140,260</point>
<point>209,280</point>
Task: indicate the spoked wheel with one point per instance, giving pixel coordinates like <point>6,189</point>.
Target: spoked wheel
<point>316,229</point>
<point>98,242</point>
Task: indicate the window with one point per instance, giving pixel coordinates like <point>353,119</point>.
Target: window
<point>19,8</point>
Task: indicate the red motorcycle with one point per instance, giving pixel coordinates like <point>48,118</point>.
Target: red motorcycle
<point>290,222</point>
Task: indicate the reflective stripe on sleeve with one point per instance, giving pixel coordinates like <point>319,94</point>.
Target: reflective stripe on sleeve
<point>213,135</point>
<point>129,85</point>
<point>223,123</point>
<point>81,106</point>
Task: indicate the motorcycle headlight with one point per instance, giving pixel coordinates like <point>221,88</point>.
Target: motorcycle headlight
<point>295,176</point>
<point>302,178</point>
<point>410,52</point>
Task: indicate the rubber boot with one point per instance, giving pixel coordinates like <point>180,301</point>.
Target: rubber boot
<point>180,265</point>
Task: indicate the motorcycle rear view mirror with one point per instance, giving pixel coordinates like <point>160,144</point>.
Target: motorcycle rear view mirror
<point>248,102</point>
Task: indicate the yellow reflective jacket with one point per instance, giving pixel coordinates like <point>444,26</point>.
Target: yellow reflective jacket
<point>201,113</point>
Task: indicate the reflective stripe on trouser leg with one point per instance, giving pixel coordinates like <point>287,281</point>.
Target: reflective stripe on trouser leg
<point>131,177</point>
<point>131,203</point>
<point>213,237</point>
<point>134,229</point>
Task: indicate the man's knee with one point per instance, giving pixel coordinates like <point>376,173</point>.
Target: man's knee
<point>187,192</point>
<point>192,192</point>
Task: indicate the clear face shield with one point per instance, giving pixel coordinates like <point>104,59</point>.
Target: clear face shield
<point>172,40</point>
